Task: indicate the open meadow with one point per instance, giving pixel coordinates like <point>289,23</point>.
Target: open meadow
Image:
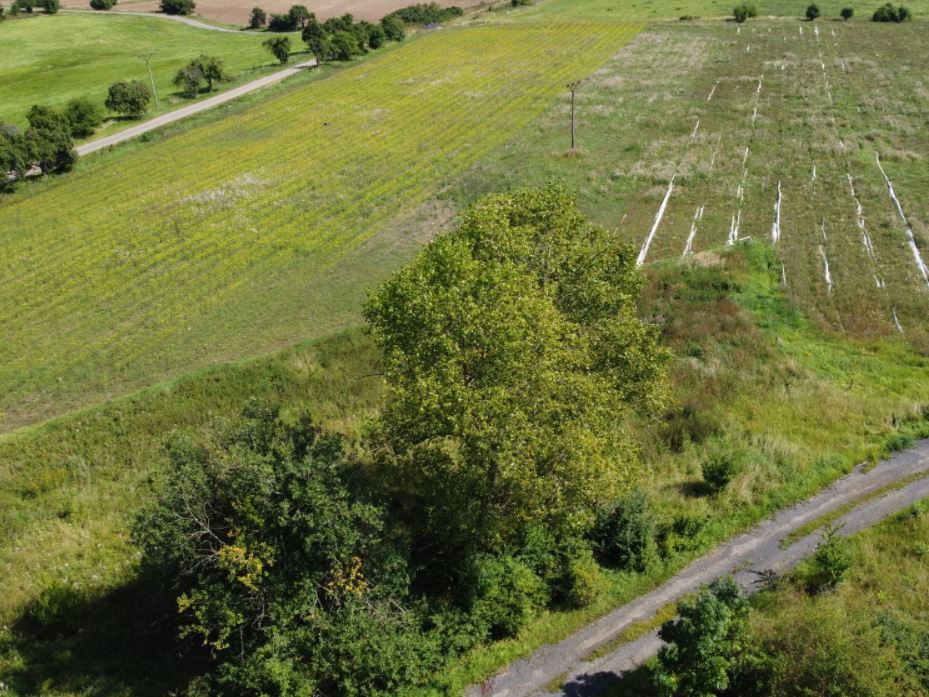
<point>41,67</point>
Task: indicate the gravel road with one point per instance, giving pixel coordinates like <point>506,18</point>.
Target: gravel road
<point>748,557</point>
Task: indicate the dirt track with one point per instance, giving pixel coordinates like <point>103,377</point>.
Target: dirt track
<point>237,11</point>
<point>748,557</point>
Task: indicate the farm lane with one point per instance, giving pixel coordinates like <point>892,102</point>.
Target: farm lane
<point>191,109</point>
<point>748,557</point>
<point>189,21</point>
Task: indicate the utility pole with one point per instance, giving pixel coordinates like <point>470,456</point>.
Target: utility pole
<point>573,87</point>
<point>147,57</point>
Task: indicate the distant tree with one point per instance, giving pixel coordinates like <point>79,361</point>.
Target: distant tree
<point>279,46</point>
<point>889,13</point>
<point>102,4</point>
<point>212,68</point>
<point>847,13</point>
<point>83,116</point>
<point>258,18</point>
<point>129,97</point>
<point>377,37</point>
<point>362,30</point>
<point>345,45</point>
<point>2,17</point>
<point>189,79</point>
<point>50,7</point>
<point>741,13</point>
<point>812,12</point>
<point>299,16</point>
<point>18,6</point>
<point>318,41</point>
<point>49,139</point>
<point>702,644</point>
<point>336,24</point>
<point>281,23</point>
<point>393,28</point>
<point>178,7</point>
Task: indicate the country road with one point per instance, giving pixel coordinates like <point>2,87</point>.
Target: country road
<point>189,21</point>
<point>747,557</point>
<point>191,109</point>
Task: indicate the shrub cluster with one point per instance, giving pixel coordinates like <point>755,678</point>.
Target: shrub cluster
<point>178,7</point>
<point>741,13</point>
<point>426,13</point>
<point>102,4</point>
<point>889,13</point>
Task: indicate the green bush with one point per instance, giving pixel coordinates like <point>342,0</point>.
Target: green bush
<point>743,12</point>
<point>178,7</point>
<point>889,13</point>
<point>847,13</point>
<point>84,116</point>
<point>102,4</point>
<point>624,534</point>
<point>129,97</point>
<point>812,12</point>
<point>830,563</point>
<point>581,580</point>
<point>722,467</point>
<point>505,594</point>
<point>258,18</point>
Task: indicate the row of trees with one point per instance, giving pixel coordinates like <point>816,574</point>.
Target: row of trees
<point>46,146</point>
<point>514,359</point>
<point>885,13</point>
<point>20,7</point>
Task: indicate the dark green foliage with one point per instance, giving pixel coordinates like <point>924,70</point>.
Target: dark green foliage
<point>624,534</point>
<point>279,46</point>
<point>102,4</point>
<point>687,423</point>
<point>318,41</point>
<point>393,28</point>
<point>281,23</point>
<point>345,45</point>
<point>299,16</point>
<point>376,36</point>
<point>203,68</point>
<point>722,466</point>
<point>889,13</point>
<point>520,3</point>
<point>178,7</point>
<point>812,12</point>
<point>129,97</point>
<point>505,594</point>
<point>258,18</point>
<point>427,13</point>
<point>702,644</point>
<point>49,140</point>
<point>84,117</point>
<point>911,643</point>
<point>279,571</point>
<point>49,7</point>
<point>831,562</point>
<point>343,23</point>
<point>847,13</point>
<point>15,156</point>
<point>743,12</point>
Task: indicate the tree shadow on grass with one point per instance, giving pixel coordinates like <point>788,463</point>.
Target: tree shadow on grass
<point>695,489</point>
<point>636,683</point>
<point>121,643</point>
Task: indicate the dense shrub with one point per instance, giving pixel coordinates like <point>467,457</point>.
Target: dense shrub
<point>687,423</point>
<point>722,466</point>
<point>427,13</point>
<point>393,28</point>
<point>743,12</point>
<point>178,7</point>
<point>129,97</point>
<point>847,13</point>
<point>49,7</point>
<point>812,12</point>
<point>505,594</point>
<point>83,116</point>
<point>281,23</point>
<point>102,4</point>
<point>889,13</point>
<point>702,644</point>
<point>15,156</point>
<point>279,571</point>
<point>279,46</point>
<point>830,563</point>
<point>49,140</point>
<point>345,45</point>
<point>624,534</point>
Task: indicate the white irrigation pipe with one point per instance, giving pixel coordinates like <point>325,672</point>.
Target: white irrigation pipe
<point>693,135</point>
<point>865,237</point>
<point>896,321</point>
<point>826,272</point>
<point>814,171</point>
<point>910,238</point>
<point>776,227</point>
<point>651,235</point>
<point>783,275</point>
<point>689,247</point>
<point>713,91</point>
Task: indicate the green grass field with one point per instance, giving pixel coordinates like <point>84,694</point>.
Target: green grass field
<point>225,241</point>
<point>51,59</point>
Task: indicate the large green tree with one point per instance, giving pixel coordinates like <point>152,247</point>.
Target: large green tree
<point>513,357</point>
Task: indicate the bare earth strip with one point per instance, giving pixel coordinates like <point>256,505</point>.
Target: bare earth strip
<point>191,109</point>
<point>748,557</point>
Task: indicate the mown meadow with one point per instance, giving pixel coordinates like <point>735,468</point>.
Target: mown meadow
<point>53,59</point>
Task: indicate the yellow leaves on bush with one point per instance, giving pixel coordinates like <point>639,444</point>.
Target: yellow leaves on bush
<point>348,579</point>
<point>244,566</point>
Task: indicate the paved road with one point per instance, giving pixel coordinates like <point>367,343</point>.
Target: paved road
<point>189,21</point>
<point>191,109</point>
<point>747,557</point>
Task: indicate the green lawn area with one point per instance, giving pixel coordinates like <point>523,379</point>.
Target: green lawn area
<point>51,59</point>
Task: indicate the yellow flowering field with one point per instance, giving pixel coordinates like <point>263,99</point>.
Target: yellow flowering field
<point>225,241</point>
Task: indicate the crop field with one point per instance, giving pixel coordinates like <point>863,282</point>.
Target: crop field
<point>39,67</point>
<point>215,244</point>
<point>699,135</point>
